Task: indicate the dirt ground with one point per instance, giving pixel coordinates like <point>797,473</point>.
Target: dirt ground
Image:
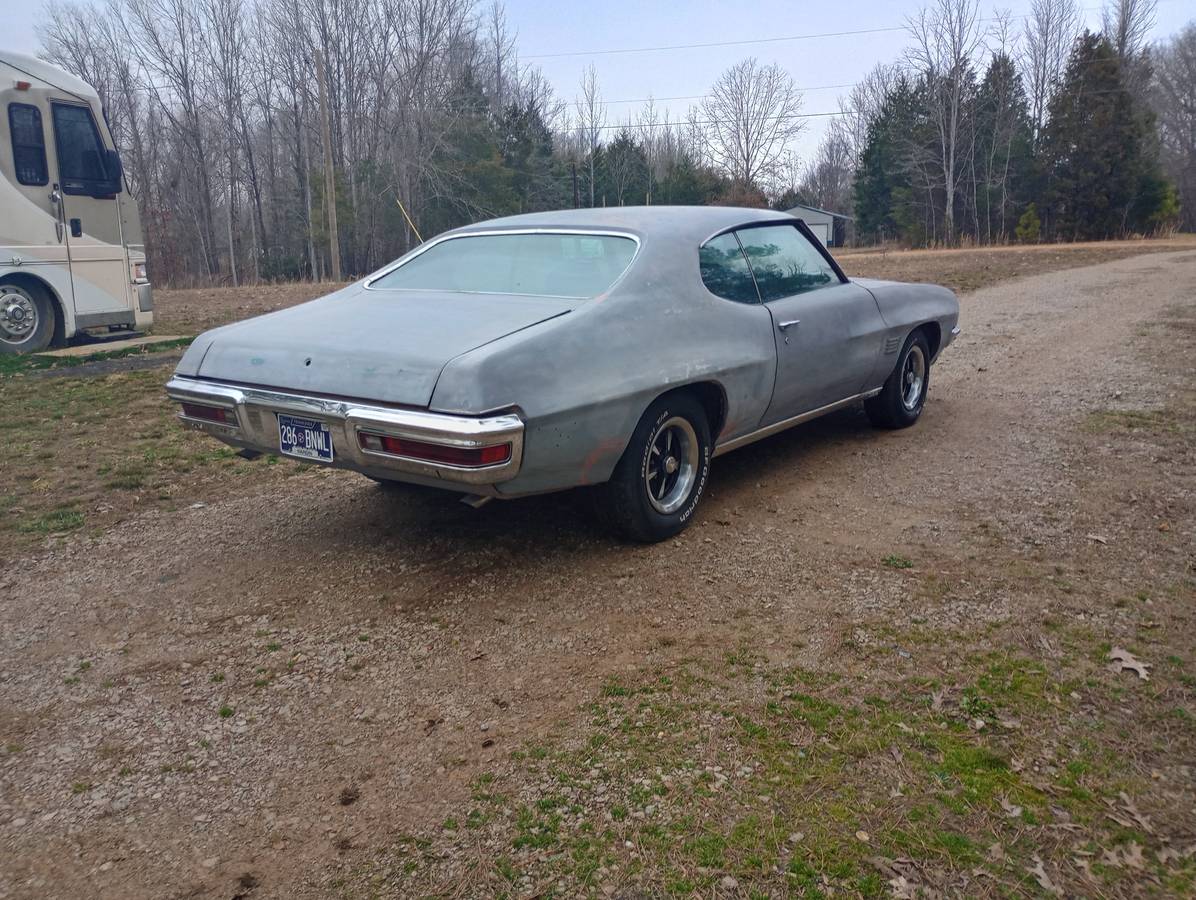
<point>956,659</point>
<point>192,310</point>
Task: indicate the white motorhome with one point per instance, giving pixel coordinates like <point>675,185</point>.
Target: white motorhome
<point>72,256</point>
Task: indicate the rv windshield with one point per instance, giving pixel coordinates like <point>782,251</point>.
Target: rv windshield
<point>540,264</point>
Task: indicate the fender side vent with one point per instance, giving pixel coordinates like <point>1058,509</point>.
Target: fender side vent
<point>892,345</point>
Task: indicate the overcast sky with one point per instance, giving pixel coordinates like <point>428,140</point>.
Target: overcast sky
<point>548,27</point>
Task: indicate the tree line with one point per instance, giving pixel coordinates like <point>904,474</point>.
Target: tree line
<point>1057,138</point>
<point>280,139</point>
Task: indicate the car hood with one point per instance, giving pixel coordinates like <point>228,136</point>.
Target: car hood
<point>379,345</point>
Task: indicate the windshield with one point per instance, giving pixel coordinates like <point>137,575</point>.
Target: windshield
<point>546,265</point>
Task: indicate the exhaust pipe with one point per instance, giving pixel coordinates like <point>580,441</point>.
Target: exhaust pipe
<point>477,501</point>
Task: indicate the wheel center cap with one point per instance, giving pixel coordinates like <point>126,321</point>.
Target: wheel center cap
<point>670,465</point>
<point>16,314</point>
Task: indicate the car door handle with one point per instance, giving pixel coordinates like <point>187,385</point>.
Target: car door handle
<point>785,326</point>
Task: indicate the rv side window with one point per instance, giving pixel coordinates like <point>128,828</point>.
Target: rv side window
<point>80,151</point>
<point>28,143</point>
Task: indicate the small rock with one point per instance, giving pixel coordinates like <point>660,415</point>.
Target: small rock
<point>211,862</point>
<point>729,883</point>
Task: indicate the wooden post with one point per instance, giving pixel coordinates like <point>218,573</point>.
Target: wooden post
<point>334,245</point>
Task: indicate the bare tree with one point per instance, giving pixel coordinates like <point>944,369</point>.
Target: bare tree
<point>655,136</point>
<point>591,119</point>
<point>859,110</point>
<point>826,181</point>
<point>501,46</point>
<point>694,136</point>
<point>1174,98</point>
<point>752,116</point>
<point>1047,36</point>
<point>947,35</point>
<point>1127,24</point>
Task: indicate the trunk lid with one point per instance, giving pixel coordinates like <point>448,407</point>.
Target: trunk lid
<point>385,346</point>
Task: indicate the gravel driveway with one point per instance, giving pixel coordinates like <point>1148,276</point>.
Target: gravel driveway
<point>220,701</point>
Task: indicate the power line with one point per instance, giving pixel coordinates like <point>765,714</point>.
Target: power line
<point>686,124</point>
<point>818,87</point>
<point>772,40</point>
<point>817,115</point>
<point>610,51</point>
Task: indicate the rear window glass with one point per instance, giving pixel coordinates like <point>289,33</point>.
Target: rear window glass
<point>546,265</point>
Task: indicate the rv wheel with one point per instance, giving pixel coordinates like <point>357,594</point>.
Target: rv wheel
<point>26,320</point>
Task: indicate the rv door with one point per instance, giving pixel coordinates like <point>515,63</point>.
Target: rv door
<point>89,179</point>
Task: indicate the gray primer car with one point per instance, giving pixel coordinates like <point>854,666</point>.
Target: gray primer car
<point>696,330</point>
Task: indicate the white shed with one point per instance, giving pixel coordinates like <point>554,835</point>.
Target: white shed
<point>828,227</point>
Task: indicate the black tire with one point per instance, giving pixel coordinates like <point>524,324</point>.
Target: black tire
<point>900,402</point>
<point>674,433</point>
<point>18,305</point>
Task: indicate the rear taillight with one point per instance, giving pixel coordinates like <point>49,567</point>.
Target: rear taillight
<point>466,457</point>
<point>217,414</point>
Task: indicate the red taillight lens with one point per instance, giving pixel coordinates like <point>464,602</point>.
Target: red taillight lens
<point>468,457</point>
<point>217,414</point>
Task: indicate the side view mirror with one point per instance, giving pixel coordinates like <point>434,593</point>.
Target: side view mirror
<point>114,182</point>
<point>113,167</point>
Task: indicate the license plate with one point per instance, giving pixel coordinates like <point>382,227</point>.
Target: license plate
<point>305,438</point>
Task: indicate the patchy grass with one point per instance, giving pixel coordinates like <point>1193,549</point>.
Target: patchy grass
<point>12,364</point>
<point>91,450</point>
<point>781,780</point>
<point>1106,421</point>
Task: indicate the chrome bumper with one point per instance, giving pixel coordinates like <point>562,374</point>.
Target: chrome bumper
<point>256,412</point>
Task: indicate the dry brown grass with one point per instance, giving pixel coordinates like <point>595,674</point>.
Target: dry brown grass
<point>975,268</point>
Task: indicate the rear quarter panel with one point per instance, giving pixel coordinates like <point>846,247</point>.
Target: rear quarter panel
<point>583,381</point>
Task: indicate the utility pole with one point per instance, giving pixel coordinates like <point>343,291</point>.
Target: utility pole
<point>576,195</point>
<point>334,244</point>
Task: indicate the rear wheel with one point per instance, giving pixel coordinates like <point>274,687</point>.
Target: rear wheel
<point>27,319</point>
<point>659,480</point>
<point>900,402</point>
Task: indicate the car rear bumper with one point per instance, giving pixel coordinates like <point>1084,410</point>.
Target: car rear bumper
<point>254,426</point>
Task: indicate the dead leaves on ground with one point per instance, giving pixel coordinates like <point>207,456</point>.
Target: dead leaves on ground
<point>1129,816</point>
<point>1121,660</point>
<point>1044,880</point>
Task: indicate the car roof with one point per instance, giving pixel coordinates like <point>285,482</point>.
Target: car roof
<point>690,223</point>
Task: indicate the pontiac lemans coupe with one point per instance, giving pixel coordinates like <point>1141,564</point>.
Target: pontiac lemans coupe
<point>619,348</point>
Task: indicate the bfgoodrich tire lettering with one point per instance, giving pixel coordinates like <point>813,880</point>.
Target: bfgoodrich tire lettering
<point>662,475</point>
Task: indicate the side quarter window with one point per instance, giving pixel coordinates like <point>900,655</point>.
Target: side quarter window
<point>725,271</point>
<point>28,144</point>
<point>784,261</point>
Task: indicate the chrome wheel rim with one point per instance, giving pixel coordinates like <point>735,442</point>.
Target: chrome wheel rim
<point>18,316</point>
<point>672,465</point>
<point>913,377</point>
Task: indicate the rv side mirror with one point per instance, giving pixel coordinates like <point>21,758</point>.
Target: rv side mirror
<point>112,166</point>
<point>111,186</point>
